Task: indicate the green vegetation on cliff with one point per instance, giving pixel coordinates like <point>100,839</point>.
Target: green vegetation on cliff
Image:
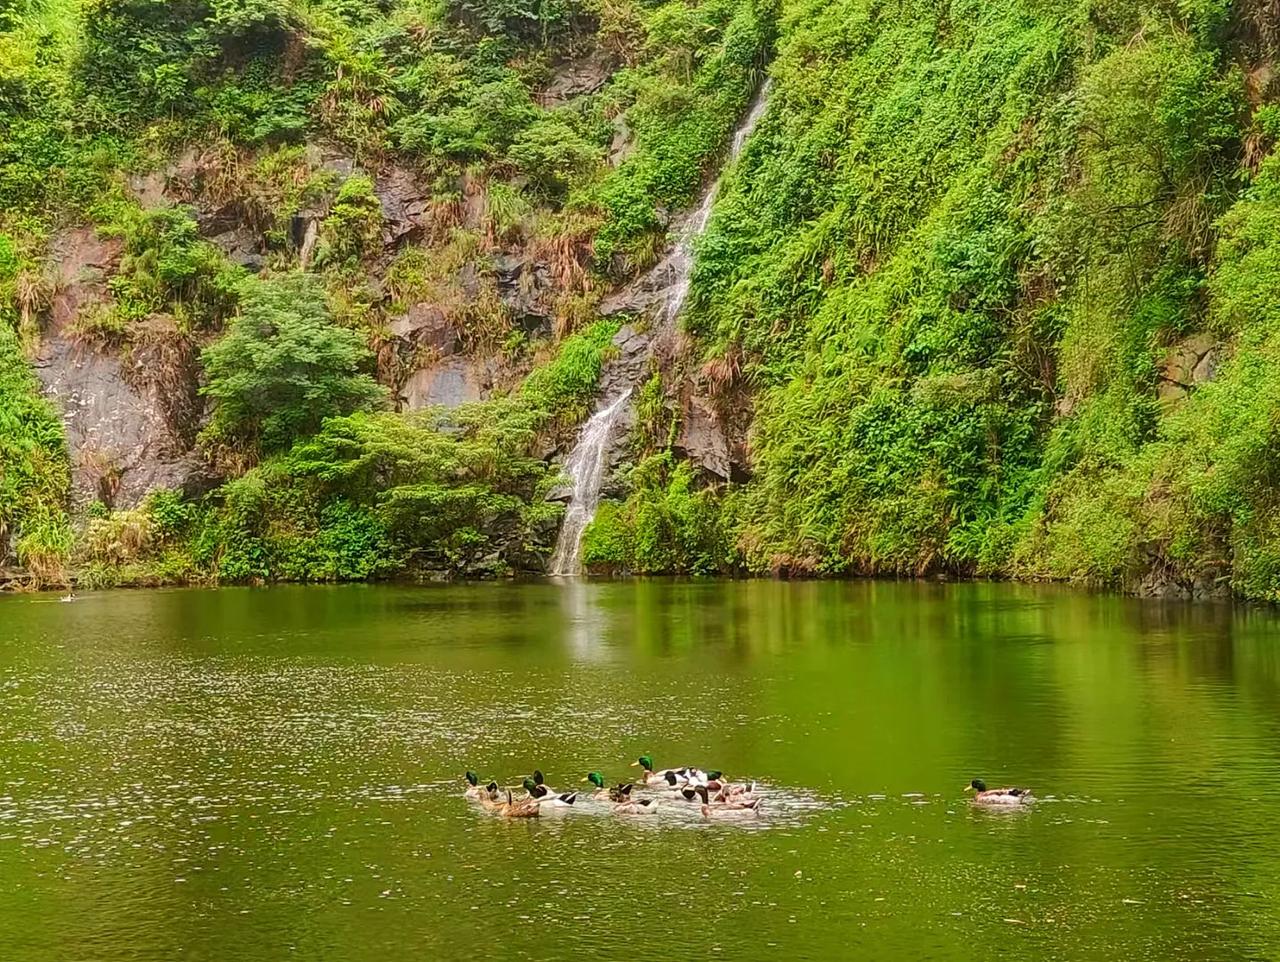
<point>995,286</point>
<point>207,140</point>
<point>998,280</point>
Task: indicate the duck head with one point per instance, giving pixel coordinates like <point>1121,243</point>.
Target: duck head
<point>645,762</point>
<point>534,789</point>
<point>473,779</point>
<point>977,785</point>
<point>595,778</point>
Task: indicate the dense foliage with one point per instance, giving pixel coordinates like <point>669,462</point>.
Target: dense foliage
<point>33,469</point>
<point>112,109</point>
<point>954,271</point>
<point>997,283</point>
<point>284,367</point>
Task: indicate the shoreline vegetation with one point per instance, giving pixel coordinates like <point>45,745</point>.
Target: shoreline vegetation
<point>322,290</point>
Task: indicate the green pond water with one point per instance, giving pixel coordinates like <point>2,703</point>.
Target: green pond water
<point>268,774</point>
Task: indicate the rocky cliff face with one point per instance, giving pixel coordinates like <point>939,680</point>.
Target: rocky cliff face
<point>132,409</point>
<point>130,415</point>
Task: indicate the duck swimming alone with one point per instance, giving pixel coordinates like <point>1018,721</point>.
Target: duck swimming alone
<point>997,796</point>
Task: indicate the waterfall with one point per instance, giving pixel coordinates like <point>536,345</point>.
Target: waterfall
<point>665,287</point>
<point>586,467</point>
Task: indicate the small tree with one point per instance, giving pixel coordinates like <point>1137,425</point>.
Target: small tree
<point>285,366</point>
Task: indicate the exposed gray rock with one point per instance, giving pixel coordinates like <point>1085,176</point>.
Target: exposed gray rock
<point>1159,582</point>
<point>405,205</point>
<point>82,262</point>
<point>577,77</point>
<point>623,143</point>
<point>241,247</point>
<point>625,368</point>
<point>121,442</point>
<point>702,439</point>
<point>450,382</point>
<point>130,423</point>
<point>426,326</point>
<point>151,189</point>
<point>525,287</point>
<point>1190,362</point>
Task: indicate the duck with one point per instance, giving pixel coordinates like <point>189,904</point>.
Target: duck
<point>726,809</point>
<point>997,796</point>
<point>619,793</point>
<point>637,806</point>
<point>480,792</point>
<point>601,793</point>
<point>543,795</point>
<point>717,784</point>
<point>674,777</point>
<point>517,808</point>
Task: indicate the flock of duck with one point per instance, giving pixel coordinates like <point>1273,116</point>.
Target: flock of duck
<point>715,796</point>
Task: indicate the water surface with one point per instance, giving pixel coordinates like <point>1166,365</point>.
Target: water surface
<point>263,774</point>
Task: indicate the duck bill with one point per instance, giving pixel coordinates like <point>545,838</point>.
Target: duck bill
<point>970,788</point>
<point>635,764</point>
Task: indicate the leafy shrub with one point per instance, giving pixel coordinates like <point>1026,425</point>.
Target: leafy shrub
<point>34,471</point>
<point>353,228</point>
<point>284,367</point>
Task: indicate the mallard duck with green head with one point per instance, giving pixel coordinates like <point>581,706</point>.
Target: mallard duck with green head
<point>543,795</point>
<point>997,796</point>
<point>620,792</point>
<point>481,793</point>
<point>673,777</point>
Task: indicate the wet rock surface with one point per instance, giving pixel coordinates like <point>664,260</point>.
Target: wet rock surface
<point>702,440</point>
<point>526,288</point>
<point>83,261</point>
<point>406,208</point>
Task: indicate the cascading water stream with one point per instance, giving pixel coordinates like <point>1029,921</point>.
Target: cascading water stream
<point>588,462</point>
<point>586,467</point>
